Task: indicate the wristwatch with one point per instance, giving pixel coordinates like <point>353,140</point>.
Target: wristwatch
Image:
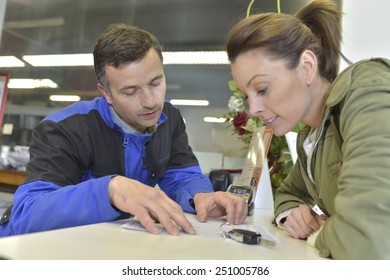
<point>246,192</point>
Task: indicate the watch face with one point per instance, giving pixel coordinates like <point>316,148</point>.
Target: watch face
<point>243,191</point>
<point>247,193</point>
<point>239,190</point>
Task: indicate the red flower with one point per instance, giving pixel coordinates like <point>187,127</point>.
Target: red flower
<point>239,121</point>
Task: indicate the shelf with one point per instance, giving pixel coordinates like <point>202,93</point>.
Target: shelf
<point>10,180</point>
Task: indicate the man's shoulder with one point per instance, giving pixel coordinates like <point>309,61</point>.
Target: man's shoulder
<point>171,111</point>
<point>168,107</point>
<point>78,108</point>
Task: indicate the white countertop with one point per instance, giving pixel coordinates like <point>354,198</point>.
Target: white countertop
<point>111,241</point>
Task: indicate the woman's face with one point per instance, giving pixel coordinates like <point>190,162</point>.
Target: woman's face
<point>277,95</point>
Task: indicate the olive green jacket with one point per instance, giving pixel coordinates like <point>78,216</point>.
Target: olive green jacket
<point>350,166</point>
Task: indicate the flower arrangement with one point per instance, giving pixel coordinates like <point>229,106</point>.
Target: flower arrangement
<point>279,157</point>
<point>243,124</point>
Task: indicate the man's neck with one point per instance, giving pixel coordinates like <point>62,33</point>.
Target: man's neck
<point>118,121</point>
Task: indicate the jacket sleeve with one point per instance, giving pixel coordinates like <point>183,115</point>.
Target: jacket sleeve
<point>292,192</point>
<point>58,191</point>
<point>183,184</point>
<point>40,206</point>
<point>360,228</point>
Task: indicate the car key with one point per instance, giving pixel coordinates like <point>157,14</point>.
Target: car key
<point>244,236</point>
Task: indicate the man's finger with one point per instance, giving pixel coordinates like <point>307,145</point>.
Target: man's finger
<point>172,218</point>
<point>148,223</point>
<point>241,211</point>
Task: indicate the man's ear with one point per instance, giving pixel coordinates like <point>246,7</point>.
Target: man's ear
<point>309,66</point>
<point>105,93</point>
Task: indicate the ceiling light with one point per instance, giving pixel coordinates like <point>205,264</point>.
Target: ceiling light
<point>60,60</point>
<point>214,120</point>
<point>34,23</point>
<point>190,102</point>
<point>65,98</point>
<point>201,57</point>
<point>173,87</point>
<point>10,61</point>
<point>31,83</point>
<point>170,58</point>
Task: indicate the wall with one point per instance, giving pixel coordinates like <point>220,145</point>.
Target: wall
<point>366,29</point>
<point>2,14</point>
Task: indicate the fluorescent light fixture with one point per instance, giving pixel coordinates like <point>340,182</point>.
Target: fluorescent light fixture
<point>34,23</point>
<point>190,102</point>
<point>173,87</point>
<point>60,60</point>
<point>10,61</point>
<point>31,83</point>
<point>65,98</point>
<point>214,120</point>
<point>201,57</point>
<point>170,58</point>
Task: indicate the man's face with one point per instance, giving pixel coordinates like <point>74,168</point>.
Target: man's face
<point>137,91</point>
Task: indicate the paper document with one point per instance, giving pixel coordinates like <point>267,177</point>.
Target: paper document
<point>210,229</point>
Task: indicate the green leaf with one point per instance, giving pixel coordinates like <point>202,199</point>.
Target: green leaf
<point>232,85</point>
<point>285,157</point>
<point>276,180</point>
<point>287,168</point>
<point>234,89</point>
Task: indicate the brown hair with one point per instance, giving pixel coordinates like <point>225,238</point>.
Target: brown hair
<point>315,27</point>
<point>121,43</point>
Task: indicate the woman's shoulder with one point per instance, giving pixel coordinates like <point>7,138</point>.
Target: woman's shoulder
<point>366,67</point>
<point>370,72</point>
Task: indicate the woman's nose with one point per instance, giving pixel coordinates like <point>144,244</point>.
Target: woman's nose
<point>256,108</point>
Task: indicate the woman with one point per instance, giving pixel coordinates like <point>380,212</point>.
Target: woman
<point>287,66</point>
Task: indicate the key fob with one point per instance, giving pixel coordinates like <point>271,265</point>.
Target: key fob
<point>245,236</point>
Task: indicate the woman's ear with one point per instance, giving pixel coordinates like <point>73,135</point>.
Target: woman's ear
<point>105,92</point>
<point>309,66</point>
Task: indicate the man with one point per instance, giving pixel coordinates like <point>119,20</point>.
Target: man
<point>100,160</point>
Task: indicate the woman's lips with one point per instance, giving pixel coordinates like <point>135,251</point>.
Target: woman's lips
<point>271,120</point>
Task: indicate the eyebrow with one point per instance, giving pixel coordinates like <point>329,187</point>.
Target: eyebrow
<point>158,77</point>
<point>127,87</point>
<point>254,77</point>
<point>152,80</point>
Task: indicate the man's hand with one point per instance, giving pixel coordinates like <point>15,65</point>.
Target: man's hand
<point>148,204</point>
<point>218,204</point>
<point>302,222</point>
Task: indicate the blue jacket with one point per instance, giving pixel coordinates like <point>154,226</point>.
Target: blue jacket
<point>76,151</point>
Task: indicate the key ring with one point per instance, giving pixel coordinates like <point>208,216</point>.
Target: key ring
<point>224,232</point>
<point>240,235</point>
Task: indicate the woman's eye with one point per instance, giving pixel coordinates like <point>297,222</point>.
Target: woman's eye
<point>262,91</point>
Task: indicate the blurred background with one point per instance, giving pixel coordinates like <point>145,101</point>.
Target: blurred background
<point>54,27</point>
<point>47,27</point>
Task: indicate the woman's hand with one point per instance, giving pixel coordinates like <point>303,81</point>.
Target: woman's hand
<point>303,221</point>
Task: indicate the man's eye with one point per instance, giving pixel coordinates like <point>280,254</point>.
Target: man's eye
<point>155,84</point>
<point>129,93</point>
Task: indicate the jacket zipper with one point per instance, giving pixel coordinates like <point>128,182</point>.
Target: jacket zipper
<point>125,146</point>
<point>315,151</point>
<point>126,141</point>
